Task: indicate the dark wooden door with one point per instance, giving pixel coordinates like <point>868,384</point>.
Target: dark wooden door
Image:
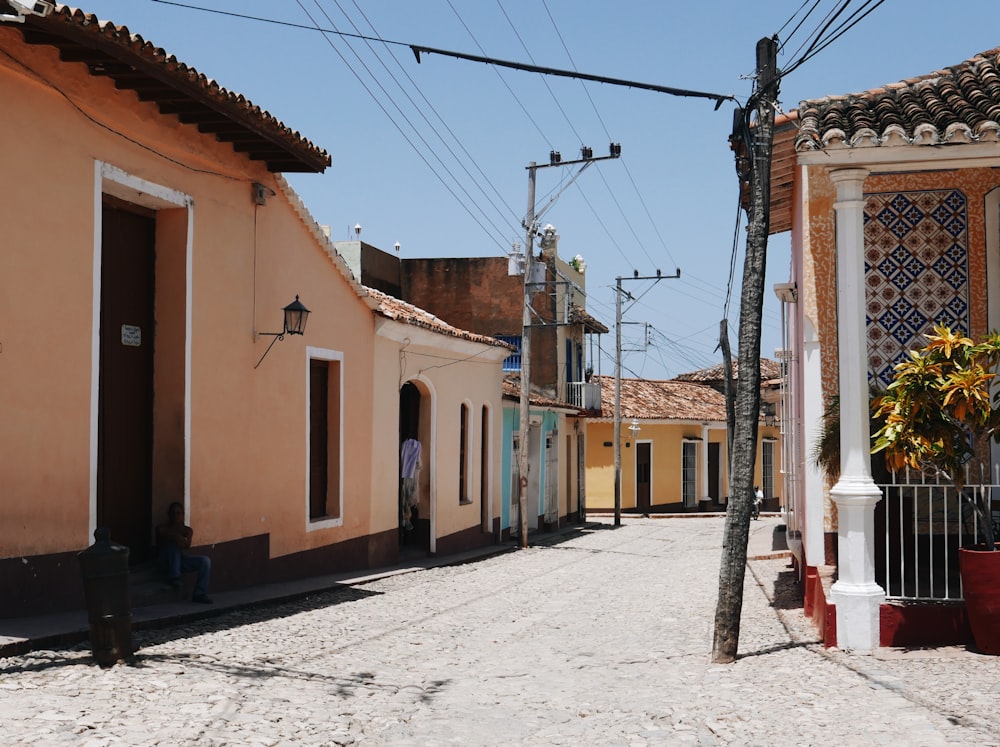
<point>125,381</point>
<point>642,475</point>
<point>319,428</point>
<point>713,471</point>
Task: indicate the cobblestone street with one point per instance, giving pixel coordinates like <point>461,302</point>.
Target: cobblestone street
<point>599,638</point>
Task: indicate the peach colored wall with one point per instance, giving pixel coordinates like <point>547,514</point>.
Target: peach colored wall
<point>474,380</point>
<point>247,442</point>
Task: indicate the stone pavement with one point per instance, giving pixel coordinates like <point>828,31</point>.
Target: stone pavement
<point>597,637</point>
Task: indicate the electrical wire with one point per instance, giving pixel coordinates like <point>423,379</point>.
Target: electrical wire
<point>502,234</point>
<point>821,44</point>
<point>503,80</point>
<point>119,133</point>
<point>579,137</point>
<point>624,163</point>
<point>441,119</point>
<point>732,258</point>
<point>798,26</point>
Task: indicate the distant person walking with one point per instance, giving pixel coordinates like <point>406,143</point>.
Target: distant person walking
<point>758,500</point>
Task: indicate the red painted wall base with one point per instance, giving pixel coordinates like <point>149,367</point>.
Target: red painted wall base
<point>908,625</point>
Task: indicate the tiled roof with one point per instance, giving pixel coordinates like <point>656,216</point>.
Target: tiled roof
<point>177,89</point>
<point>578,315</point>
<point>663,400</point>
<point>512,390</point>
<point>769,369</point>
<point>400,311</point>
<point>955,105</point>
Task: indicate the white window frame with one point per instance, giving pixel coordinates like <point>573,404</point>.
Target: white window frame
<point>325,355</point>
<point>767,452</point>
<point>466,461</point>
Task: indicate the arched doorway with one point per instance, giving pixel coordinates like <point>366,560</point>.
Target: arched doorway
<point>415,448</point>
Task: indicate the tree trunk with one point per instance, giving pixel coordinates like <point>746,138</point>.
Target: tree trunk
<point>734,548</point>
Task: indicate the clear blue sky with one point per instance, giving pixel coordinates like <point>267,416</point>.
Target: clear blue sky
<point>433,155</point>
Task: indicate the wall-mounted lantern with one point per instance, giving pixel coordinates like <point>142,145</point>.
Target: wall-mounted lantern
<point>296,315</point>
<point>633,430</point>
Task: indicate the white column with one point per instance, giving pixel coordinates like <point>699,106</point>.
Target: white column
<point>855,594</point>
<point>812,480</point>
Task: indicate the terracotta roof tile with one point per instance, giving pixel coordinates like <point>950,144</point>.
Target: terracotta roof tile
<point>958,104</point>
<point>400,311</point>
<point>177,89</point>
<point>578,315</point>
<point>512,390</point>
<point>643,399</point>
<point>769,369</point>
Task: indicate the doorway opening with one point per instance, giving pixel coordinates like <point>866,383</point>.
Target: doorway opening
<point>643,472</point>
<point>415,525</point>
<point>140,378</point>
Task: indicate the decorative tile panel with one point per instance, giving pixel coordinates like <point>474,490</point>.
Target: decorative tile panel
<point>916,272</point>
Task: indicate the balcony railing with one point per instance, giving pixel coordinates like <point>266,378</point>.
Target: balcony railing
<point>919,527</point>
<point>584,394</point>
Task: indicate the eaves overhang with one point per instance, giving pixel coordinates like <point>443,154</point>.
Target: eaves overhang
<point>135,64</point>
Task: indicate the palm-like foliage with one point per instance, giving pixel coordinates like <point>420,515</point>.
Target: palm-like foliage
<point>938,411</point>
<point>826,452</point>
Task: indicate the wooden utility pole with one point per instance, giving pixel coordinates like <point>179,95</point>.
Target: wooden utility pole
<point>734,549</point>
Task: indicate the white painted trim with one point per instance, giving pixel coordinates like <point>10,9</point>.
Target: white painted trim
<point>991,211</point>
<point>703,468</point>
<point>111,180</point>
<point>188,356</point>
<point>635,470</point>
<point>855,593</point>
<point>465,487</point>
<point>904,158</point>
<point>95,351</point>
<point>325,354</point>
<point>695,442</point>
<point>139,191</point>
<point>811,522</point>
<point>486,427</point>
<point>431,454</point>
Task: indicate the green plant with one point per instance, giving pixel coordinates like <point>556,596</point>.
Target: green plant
<point>826,450</point>
<point>939,414</point>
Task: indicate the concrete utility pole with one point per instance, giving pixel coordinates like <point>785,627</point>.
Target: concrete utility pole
<point>618,378</point>
<point>522,438</point>
<point>531,228</point>
<point>734,549</point>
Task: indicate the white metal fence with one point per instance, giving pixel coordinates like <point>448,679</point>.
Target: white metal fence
<point>920,524</point>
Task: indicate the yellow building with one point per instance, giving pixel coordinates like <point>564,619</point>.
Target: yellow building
<point>674,455</point>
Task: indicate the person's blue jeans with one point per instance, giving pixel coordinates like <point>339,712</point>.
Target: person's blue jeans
<point>174,563</point>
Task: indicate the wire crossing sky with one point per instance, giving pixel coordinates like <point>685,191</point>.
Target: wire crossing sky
<point>433,155</point>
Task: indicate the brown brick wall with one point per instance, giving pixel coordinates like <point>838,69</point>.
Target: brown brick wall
<point>477,294</point>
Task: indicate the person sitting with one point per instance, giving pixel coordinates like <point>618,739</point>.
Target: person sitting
<point>173,539</point>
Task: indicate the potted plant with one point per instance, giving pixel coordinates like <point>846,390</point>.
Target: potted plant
<point>939,417</point>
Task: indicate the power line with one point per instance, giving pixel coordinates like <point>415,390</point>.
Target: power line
<point>820,44</point>
<point>500,233</point>
<point>441,119</point>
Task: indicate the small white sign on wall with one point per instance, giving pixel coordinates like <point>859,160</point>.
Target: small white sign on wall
<point>131,335</point>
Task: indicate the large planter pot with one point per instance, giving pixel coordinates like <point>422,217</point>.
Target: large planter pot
<point>981,586</point>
